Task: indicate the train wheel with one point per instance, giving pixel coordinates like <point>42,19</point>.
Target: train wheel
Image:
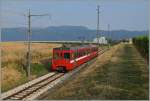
<point>62,69</point>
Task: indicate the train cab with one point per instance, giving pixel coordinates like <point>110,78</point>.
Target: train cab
<point>61,59</point>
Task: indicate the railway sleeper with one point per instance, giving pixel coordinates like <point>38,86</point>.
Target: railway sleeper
<point>15,98</point>
<point>18,96</point>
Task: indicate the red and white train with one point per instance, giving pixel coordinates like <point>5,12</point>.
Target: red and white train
<point>67,58</point>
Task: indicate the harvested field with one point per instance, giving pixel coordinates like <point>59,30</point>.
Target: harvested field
<point>14,62</point>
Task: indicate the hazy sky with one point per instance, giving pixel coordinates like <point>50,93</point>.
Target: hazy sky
<point>120,14</point>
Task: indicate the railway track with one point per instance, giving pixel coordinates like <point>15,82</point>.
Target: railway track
<point>25,93</point>
<point>34,88</point>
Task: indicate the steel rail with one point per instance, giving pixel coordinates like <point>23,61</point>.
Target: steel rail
<point>34,87</point>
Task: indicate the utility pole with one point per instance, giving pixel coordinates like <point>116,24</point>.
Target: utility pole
<point>29,40</point>
<point>98,23</point>
<point>109,35</point>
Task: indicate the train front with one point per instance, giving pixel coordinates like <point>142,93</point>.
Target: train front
<point>61,59</point>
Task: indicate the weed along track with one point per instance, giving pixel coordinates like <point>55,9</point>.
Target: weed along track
<point>35,88</point>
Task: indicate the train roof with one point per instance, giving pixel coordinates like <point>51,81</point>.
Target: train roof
<point>74,47</point>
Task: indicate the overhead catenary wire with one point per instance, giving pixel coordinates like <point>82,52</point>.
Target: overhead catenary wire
<point>6,13</point>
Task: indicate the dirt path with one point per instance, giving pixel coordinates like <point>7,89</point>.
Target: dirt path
<point>120,73</point>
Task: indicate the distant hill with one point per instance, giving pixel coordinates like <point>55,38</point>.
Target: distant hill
<point>68,33</point>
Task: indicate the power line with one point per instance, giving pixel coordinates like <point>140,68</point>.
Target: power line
<point>10,13</point>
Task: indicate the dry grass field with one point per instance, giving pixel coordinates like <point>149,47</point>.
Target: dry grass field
<point>14,60</point>
<point>118,74</point>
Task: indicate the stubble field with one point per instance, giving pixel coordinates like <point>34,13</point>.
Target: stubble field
<point>14,62</point>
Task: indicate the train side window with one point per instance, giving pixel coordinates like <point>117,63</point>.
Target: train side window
<point>72,55</point>
<point>76,54</point>
<point>67,55</point>
<point>87,51</point>
<point>61,55</point>
<point>82,53</point>
<point>79,53</point>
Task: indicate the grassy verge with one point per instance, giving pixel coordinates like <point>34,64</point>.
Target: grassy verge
<point>119,73</point>
<point>39,69</point>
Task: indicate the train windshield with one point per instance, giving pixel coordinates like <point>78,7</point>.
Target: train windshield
<point>57,55</point>
<point>60,55</point>
<point>66,55</point>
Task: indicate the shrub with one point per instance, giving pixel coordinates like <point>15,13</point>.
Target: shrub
<point>142,44</point>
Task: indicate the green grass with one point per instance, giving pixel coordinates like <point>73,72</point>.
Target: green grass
<point>125,77</point>
<point>38,69</point>
<point>128,76</point>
